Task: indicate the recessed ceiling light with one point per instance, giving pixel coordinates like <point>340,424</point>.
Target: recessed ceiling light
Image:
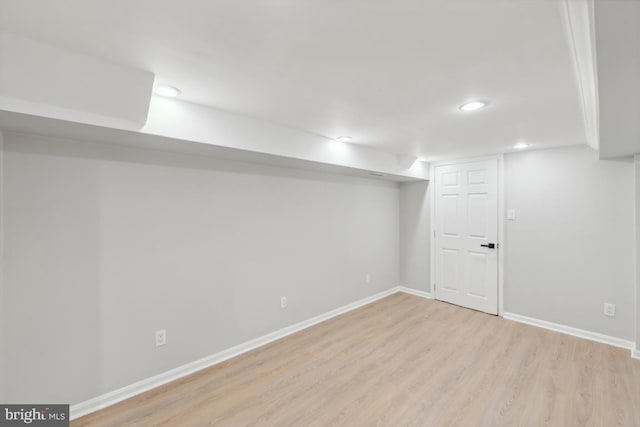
<point>167,91</point>
<point>472,106</point>
<point>344,138</point>
<point>521,145</point>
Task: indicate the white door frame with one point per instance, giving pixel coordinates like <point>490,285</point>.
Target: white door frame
<point>432,205</point>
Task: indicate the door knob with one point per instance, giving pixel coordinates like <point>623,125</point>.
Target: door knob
<point>489,245</point>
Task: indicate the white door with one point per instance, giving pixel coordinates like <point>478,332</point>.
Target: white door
<point>466,226</point>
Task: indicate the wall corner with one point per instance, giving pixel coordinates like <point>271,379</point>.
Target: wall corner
<point>637,247</point>
<point>2,332</point>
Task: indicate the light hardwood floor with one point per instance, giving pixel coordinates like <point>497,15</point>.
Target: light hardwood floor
<point>402,361</point>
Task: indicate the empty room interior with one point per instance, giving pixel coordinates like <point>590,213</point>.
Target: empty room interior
<point>320,213</point>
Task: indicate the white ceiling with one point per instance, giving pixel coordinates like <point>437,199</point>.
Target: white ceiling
<point>391,73</point>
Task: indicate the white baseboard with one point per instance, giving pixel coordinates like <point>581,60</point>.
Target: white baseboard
<point>113,397</point>
<point>415,292</point>
<point>635,353</point>
<point>580,333</point>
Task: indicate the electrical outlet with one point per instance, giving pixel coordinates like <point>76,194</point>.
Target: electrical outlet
<point>367,278</point>
<point>161,337</point>
<point>609,309</point>
<point>283,302</point>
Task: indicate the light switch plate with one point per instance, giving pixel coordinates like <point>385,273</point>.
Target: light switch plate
<point>511,214</point>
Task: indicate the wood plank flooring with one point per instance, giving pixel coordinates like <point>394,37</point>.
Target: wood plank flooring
<point>402,361</point>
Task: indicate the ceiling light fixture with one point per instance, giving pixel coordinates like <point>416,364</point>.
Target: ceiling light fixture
<point>344,138</point>
<point>167,91</point>
<point>521,145</point>
<point>472,106</point>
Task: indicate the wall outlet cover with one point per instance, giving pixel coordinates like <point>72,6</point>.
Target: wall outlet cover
<point>609,309</point>
<point>161,337</point>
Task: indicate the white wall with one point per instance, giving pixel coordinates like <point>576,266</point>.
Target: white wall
<point>415,241</point>
<point>617,36</point>
<point>106,244</point>
<point>571,248</point>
